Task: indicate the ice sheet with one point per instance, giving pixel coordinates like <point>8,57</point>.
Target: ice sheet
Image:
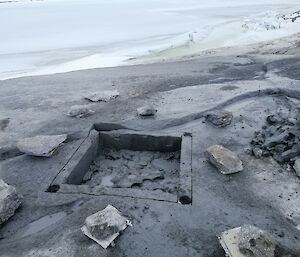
<point>53,36</point>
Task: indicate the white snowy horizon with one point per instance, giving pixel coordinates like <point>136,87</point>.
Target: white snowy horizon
<point>40,37</point>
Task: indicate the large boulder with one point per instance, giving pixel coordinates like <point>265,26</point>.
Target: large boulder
<point>219,118</point>
<point>43,146</point>
<point>223,159</point>
<point>105,95</point>
<point>104,226</point>
<point>10,200</point>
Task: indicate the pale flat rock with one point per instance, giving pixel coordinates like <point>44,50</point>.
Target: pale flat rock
<point>10,201</point>
<point>146,111</point>
<point>229,240</point>
<point>80,111</point>
<point>105,95</point>
<point>105,226</point>
<point>247,241</point>
<point>44,146</point>
<point>223,159</point>
<point>297,166</point>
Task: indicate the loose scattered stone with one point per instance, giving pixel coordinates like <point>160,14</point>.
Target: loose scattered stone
<point>247,241</point>
<point>105,226</point>
<point>80,111</point>
<point>279,138</point>
<point>104,96</point>
<point>297,166</point>
<point>10,201</point>
<point>44,146</point>
<point>223,159</point>
<point>219,118</point>
<point>4,123</point>
<point>146,111</point>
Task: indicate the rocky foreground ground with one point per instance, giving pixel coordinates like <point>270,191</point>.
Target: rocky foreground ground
<point>245,99</point>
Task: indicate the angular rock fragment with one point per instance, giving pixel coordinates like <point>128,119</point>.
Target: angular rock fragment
<point>43,146</point>
<point>297,166</point>
<point>223,159</point>
<point>10,201</point>
<point>104,226</point>
<point>247,241</point>
<point>80,111</point>
<point>104,96</point>
<point>146,111</point>
<point>219,118</point>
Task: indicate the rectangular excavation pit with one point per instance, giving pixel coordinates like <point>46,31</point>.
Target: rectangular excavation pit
<point>130,163</point>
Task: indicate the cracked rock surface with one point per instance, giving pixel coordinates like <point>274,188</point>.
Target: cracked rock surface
<point>135,169</point>
<point>254,242</point>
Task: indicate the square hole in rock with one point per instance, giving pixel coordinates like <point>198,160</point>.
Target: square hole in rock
<point>129,163</point>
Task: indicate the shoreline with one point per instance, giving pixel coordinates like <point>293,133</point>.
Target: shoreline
<point>173,32</point>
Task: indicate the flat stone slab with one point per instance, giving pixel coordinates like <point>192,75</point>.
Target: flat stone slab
<point>10,201</point>
<point>43,146</point>
<point>104,96</point>
<point>223,159</point>
<point>219,118</point>
<point>80,111</point>
<point>105,226</point>
<point>247,241</point>
<point>146,111</point>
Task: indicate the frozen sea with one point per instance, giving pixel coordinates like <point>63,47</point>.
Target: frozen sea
<point>55,36</point>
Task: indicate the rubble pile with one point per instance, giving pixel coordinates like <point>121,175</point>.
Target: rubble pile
<point>279,138</point>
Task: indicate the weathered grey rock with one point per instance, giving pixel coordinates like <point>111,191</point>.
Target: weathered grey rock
<point>4,123</point>
<point>44,146</point>
<point>297,166</point>
<point>257,152</point>
<point>254,242</point>
<point>104,226</point>
<point>223,159</point>
<point>146,111</point>
<point>249,241</point>
<point>80,111</point>
<point>105,95</point>
<point>10,200</point>
<point>219,118</point>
